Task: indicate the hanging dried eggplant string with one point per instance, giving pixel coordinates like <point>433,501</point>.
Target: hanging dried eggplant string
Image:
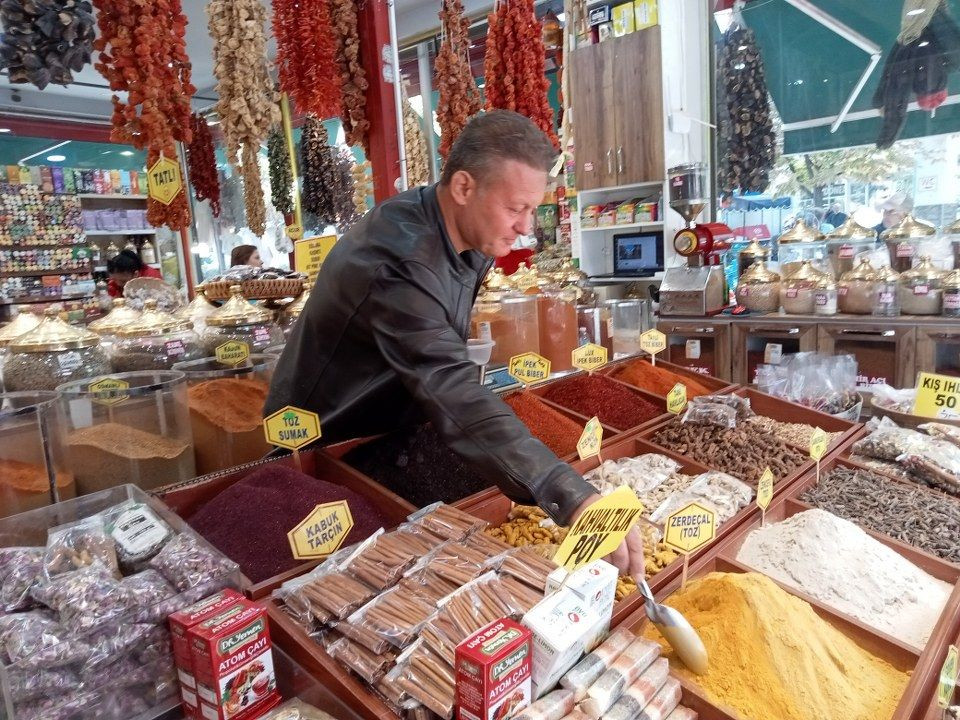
<point>281,178</point>
<point>328,188</point>
<point>203,165</point>
<point>459,98</point>
<point>353,78</point>
<point>306,61</point>
<point>747,146</point>
<point>45,42</point>
<point>252,190</point>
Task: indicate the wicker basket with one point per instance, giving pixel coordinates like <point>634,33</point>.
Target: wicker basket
<point>256,289</point>
<point>905,419</point>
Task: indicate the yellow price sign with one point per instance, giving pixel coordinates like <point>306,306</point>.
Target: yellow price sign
<point>529,368</point>
<point>233,352</point>
<point>589,357</point>
<point>309,254</point>
<point>677,399</point>
<point>109,391</point>
<point>291,427</point>
<point>294,231</point>
<point>322,532</point>
<point>590,439</point>
<point>600,529</point>
<point>164,180</point>
<point>765,489</point>
<point>653,342</point>
<point>818,444</point>
<point>938,396</point>
<point>690,528</point>
<point>948,677</point>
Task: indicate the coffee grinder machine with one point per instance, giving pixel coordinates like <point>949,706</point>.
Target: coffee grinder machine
<point>700,288</point>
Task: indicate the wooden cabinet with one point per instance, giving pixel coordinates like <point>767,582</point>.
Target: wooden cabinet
<point>701,347</point>
<point>756,343</point>
<point>617,97</point>
<point>938,349</point>
<point>884,353</point>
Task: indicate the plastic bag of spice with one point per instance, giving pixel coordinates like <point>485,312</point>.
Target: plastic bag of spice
<point>33,684</point>
<point>710,414</point>
<point>626,668</point>
<point>888,441</point>
<point>447,521</point>
<point>427,678</point>
<point>186,563</point>
<point>112,642</point>
<point>393,616</point>
<point>137,533</point>
<point>636,697</point>
<point>330,595</point>
<point>88,597</point>
<point>297,709</point>
<point>382,559</point>
<point>582,675</point>
<point>938,464</point>
<point>79,545</point>
<point>34,640</point>
<point>949,433</point>
<point>552,706</point>
<point>58,706</point>
<point>153,594</point>
<point>740,404</point>
<point>21,568</point>
<point>526,565</point>
<point>453,562</point>
<point>368,639</point>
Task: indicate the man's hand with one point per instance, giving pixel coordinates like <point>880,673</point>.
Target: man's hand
<point>628,558</point>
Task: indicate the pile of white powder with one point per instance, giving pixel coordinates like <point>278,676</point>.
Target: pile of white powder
<point>836,562</point>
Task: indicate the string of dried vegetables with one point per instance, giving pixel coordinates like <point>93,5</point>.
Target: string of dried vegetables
<point>514,64</point>
<point>46,42</point>
<point>328,190</point>
<point>281,178</point>
<point>353,78</point>
<point>415,144</point>
<point>203,165</point>
<point>143,53</point>
<point>362,187</point>
<point>306,62</point>
<point>459,97</point>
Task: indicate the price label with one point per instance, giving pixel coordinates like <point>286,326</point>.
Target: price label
<point>309,254</point>
<point>589,357</point>
<point>773,353</point>
<point>529,368</point>
<point>690,528</point>
<point>692,350</point>
<point>653,342</point>
<point>938,396</point>
<point>164,180</point>
<point>590,439</point>
<point>818,444</point>
<point>109,391</point>
<point>600,529</point>
<point>677,399</point>
<point>765,489</point>
<point>948,677</point>
<point>291,427</point>
<point>322,532</point>
<point>232,353</point>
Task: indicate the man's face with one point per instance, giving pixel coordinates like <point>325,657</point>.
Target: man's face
<point>498,209</point>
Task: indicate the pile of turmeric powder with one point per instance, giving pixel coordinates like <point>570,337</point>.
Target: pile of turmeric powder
<point>657,379</point>
<point>771,655</point>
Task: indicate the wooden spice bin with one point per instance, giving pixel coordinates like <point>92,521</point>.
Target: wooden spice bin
<point>185,498</point>
<point>715,385</point>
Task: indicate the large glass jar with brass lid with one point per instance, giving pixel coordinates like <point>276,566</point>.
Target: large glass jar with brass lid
<point>798,244</point>
<point>902,241</point>
<point>557,320</point>
<point>951,294</point>
<point>155,341</point>
<point>240,321</point>
<point>291,313</point>
<point>846,242</point>
<point>752,253</point>
<point>825,295</point>
<point>758,289</point>
<point>24,321</point>
<point>511,320</point>
<point>921,291</point>
<point>197,311</point>
<point>51,354</point>
<point>120,316</point>
<point>886,292</point>
<point>797,289</point>
<point>857,292</point>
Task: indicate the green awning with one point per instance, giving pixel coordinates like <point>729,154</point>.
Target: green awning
<point>811,71</point>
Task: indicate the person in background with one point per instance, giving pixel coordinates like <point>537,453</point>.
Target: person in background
<point>245,255</point>
<point>894,210</point>
<point>124,267</point>
<point>835,215</point>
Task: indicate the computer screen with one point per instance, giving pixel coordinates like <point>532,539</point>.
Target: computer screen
<point>638,253</point>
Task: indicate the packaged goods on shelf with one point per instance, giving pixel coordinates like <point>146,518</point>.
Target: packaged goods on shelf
<point>656,379</point>
<point>595,395</point>
<point>827,383</point>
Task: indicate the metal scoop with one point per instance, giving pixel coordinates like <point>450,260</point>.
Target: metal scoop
<point>675,630</point>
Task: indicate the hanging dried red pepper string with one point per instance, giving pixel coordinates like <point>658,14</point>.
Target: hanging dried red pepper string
<point>143,54</point>
<point>203,165</point>
<point>459,97</point>
<point>306,56</point>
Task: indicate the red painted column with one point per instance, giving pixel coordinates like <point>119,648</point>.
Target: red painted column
<point>374,30</point>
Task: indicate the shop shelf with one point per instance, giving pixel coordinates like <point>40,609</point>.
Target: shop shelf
<point>138,231</point>
<point>625,226</point>
<point>110,196</point>
<point>49,271</point>
<point>187,497</point>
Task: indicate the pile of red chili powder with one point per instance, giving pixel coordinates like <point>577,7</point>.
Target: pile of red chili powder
<point>615,405</point>
<point>552,428</point>
<point>249,521</point>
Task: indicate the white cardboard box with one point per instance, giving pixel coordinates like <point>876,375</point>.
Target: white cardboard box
<point>596,585</point>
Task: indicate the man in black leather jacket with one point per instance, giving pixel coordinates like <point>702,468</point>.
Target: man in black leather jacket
<point>381,343</point>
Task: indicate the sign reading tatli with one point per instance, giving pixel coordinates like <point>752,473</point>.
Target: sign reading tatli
<point>164,181</point>
<point>600,529</point>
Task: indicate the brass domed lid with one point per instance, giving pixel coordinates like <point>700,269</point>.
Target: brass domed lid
<point>953,229</point>
<point>825,282</point>
<point>758,274</point>
<point>909,227</point>
<point>952,280</point>
<point>23,322</point>
<point>294,309</point>
<point>199,307</point>
<point>53,334</point>
<point>800,233</point>
<point>805,274</point>
<point>496,280</point>
<point>863,271</point>
<point>755,250</point>
<point>237,311</point>
<point>153,322</point>
<point>887,274</point>
<point>924,272</point>
<point>851,230</point>
<point>570,274</point>
<point>119,317</point>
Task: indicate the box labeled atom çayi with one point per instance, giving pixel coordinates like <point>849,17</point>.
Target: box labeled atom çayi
<point>493,670</point>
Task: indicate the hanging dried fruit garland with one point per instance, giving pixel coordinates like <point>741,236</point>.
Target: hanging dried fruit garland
<point>281,179</point>
<point>45,42</point>
<point>203,165</point>
<point>306,61</point>
<point>459,97</point>
<point>328,191</point>
<point>143,53</point>
<point>247,102</point>
<point>415,146</point>
<point>353,78</point>
<point>362,187</point>
<point>514,64</point>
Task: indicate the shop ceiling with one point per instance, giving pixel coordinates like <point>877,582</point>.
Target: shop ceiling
<point>816,52</point>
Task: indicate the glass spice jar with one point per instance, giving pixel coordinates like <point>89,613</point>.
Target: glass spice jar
<point>902,240</point>
<point>23,322</point>
<point>857,290</point>
<point>241,321</point>
<point>796,290</point>
<point>557,320</point>
<point>291,313</point>
<point>798,244</point>
<point>825,296</point>
<point>155,341</point>
<point>197,311</point>
<point>752,253</point>
<point>758,289</point>
<point>120,316</point>
<point>846,242</point>
<point>920,289</point>
<point>951,294</point>
<point>886,292</point>
<point>509,319</point>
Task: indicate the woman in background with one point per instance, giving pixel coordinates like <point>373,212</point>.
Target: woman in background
<point>124,267</point>
<point>245,255</point>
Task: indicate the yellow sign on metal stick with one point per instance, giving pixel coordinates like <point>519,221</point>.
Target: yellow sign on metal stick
<point>529,368</point>
<point>164,180</point>
<point>291,427</point>
<point>677,399</point>
<point>600,529</point>
<point>322,532</point>
<point>690,528</point>
<point>591,439</point>
<point>590,357</point>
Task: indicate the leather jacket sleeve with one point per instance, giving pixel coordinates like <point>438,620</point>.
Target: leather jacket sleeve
<point>412,330</point>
